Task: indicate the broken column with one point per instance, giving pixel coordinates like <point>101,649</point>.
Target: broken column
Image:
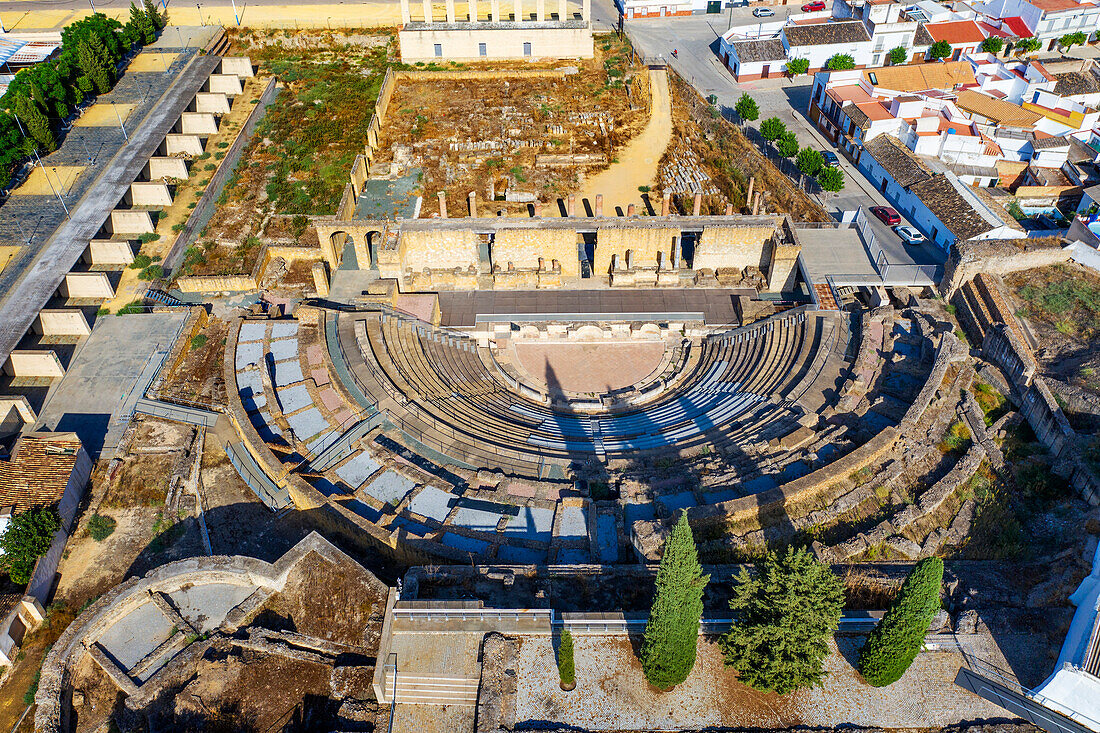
<point>729,209</point>
<point>748,196</point>
<point>571,205</point>
<point>666,203</point>
<point>630,210</point>
<point>442,204</point>
<point>599,204</point>
<point>473,204</point>
<point>320,279</point>
<point>538,209</point>
<point>697,204</point>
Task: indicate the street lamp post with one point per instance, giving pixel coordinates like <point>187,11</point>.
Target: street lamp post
<point>198,7</point>
<point>93,7</point>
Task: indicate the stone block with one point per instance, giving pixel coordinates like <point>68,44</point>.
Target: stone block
<point>86,285</point>
<point>131,222</point>
<point>178,144</point>
<point>229,84</point>
<point>216,103</point>
<point>240,66</point>
<point>31,363</point>
<point>159,168</point>
<point>198,123</point>
<point>61,322</point>
<point>150,193</point>
<point>108,253</point>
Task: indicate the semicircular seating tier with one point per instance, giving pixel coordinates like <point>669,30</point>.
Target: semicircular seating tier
<point>745,385</point>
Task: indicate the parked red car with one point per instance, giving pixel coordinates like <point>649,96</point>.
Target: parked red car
<point>889,216</point>
<point>814,6</point>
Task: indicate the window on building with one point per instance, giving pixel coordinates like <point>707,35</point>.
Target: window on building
<point>526,49</point>
<point>439,49</point>
<point>482,50</point>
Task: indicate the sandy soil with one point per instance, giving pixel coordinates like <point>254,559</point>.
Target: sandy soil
<point>612,693</point>
<point>638,161</point>
<point>587,368</point>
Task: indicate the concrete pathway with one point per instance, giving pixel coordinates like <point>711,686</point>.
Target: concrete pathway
<point>638,161</point>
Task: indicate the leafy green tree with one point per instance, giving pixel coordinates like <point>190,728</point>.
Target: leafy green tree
<point>566,668</point>
<point>772,128</point>
<point>993,44</point>
<point>810,161</point>
<point>158,17</point>
<point>831,178</point>
<point>895,641</point>
<point>93,68</point>
<point>35,123</point>
<point>141,26</point>
<point>897,56</point>
<point>787,144</point>
<point>101,27</point>
<point>786,614</point>
<point>1028,45</point>
<point>27,537</point>
<point>798,66</point>
<point>746,108</point>
<point>939,50</point>
<point>1072,39</point>
<point>672,632</point>
<point>840,62</point>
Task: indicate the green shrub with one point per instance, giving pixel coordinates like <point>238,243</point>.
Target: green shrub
<point>148,237</point>
<point>831,178</point>
<point>223,144</point>
<point>103,312</point>
<point>840,62</point>
<point>141,262</point>
<point>786,614</point>
<point>787,144</point>
<point>101,527</point>
<point>798,66</point>
<point>1072,39</point>
<point>957,438</point>
<point>152,272</point>
<point>566,668</point>
<point>28,536</point>
<point>134,306</point>
<point>810,161</point>
<point>896,640</point>
<point>897,56</point>
<point>746,108</point>
<point>939,50</point>
<point>772,128</point>
<point>198,341</point>
<point>993,44</point>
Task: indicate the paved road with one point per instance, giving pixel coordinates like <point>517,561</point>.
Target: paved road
<point>695,39</point>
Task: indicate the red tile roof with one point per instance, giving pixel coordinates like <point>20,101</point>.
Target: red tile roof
<point>989,30</point>
<point>955,32</point>
<point>1017,25</point>
<point>1056,6</point>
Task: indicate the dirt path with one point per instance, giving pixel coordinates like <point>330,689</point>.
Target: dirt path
<point>638,161</point>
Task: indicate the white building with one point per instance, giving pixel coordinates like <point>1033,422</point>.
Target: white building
<point>1049,20</point>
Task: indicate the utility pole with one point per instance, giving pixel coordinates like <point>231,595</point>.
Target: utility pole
<point>235,16</point>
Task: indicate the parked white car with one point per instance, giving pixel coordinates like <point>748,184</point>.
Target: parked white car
<point>763,12</point>
<point>908,234</point>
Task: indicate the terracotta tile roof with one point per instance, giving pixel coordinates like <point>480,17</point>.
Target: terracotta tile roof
<point>1017,25</point>
<point>846,31</point>
<point>768,49</point>
<point>1057,6</point>
<point>997,110</point>
<point>38,470</point>
<point>955,32</point>
<point>921,77</point>
<point>900,162</point>
<point>949,206</point>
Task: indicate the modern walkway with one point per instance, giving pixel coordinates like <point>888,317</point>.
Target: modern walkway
<point>42,276</point>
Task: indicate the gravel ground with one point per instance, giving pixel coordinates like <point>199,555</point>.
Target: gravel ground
<point>612,694</point>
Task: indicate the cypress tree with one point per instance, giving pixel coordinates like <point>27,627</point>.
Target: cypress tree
<point>786,614</point>
<point>672,632</point>
<point>158,18</point>
<point>93,68</point>
<point>895,641</point>
<point>566,670</point>
<point>37,126</point>
<point>104,57</point>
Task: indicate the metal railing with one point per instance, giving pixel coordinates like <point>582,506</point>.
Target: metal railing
<point>391,663</point>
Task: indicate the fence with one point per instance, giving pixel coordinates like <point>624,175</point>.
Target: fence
<point>261,484</point>
<point>786,166</point>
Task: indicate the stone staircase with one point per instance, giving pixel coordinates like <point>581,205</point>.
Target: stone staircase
<point>432,689</point>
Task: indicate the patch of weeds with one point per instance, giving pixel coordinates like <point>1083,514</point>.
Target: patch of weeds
<point>32,690</point>
<point>198,341</point>
<point>957,439</point>
<point>152,272</point>
<point>134,306</point>
<point>517,173</point>
<point>993,403</point>
<point>861,476</point>
<point>103,312</point>
<point>141,261</point>
<point>223,144</point>
<point>148,237</point>
<point>101,527</point>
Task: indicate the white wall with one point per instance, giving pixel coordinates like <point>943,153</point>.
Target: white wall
<point>548,41</point>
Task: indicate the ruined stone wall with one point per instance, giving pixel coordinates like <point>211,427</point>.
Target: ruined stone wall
<point>441,249</point>
<point>735,247</point>
<point>643,244</point>
<point>523,249</point>
<point>998,257</point>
